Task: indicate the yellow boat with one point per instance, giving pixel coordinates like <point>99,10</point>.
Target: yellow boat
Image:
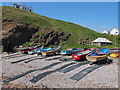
<point>113,55</point>
<point>95,58</point>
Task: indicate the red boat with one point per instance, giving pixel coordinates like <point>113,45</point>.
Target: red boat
<point>25,51</point>
<point>82,54</point>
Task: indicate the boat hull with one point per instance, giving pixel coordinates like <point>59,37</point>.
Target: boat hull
<point>96,58</point>
<point>48,53</point>
<point>51,52</point>
<point>115,55</point>
<point>25,51</point>
<point>78,57</point>
<point>42,50</point>
<point>82,54</point>
<point>68,52</point>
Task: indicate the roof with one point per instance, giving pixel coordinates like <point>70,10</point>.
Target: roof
<point>109,32</point>
<point>16,4</point>
<point>100,39</point>
<point>114,29</point>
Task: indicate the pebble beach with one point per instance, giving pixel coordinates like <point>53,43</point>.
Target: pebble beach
<point>32,71</point>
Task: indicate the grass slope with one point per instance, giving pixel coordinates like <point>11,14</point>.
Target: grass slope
<point>43,22</point>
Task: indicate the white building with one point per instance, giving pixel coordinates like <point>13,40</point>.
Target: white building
<point>101,42</point>
<point>114,31</point>
<point>22,7</point>
<point>105,32</point>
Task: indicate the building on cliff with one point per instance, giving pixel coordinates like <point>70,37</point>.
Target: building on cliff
<point>22,7</point>
<point>114,31</point>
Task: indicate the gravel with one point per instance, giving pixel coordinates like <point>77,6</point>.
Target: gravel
<point>28,68</point>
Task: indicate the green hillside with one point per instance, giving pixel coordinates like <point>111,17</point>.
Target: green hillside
<point>44,23</point>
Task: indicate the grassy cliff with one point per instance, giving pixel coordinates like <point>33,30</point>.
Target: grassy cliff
<point>48,24</point>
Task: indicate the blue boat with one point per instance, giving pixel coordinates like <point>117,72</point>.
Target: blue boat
<point>98,55</point>
<point>51,51</point>
<point>69,52</point>
<point>34,51</point>
<point>39,50</point>
<point>103,51</point>
<point>26,50</point>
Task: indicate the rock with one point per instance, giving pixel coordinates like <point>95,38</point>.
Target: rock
<point>10,20</point>
<point>20,33</point>
<point>17,36</point>
<point>4,20</point>
<point>52,41</point>
<point>61,34</point>
<point>20,46</point>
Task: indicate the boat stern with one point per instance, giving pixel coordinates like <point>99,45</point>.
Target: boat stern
<point>76,57</point>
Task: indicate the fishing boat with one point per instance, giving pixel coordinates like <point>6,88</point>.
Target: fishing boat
<point>25,51</point>
<point>98,55</point>
<point>69,51</point>
<point>34,51</point>
<point>103,51</point>
<point>82,54</point>
<point>51,51</point>
<point>38,50</point>
<point>115,55</point>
